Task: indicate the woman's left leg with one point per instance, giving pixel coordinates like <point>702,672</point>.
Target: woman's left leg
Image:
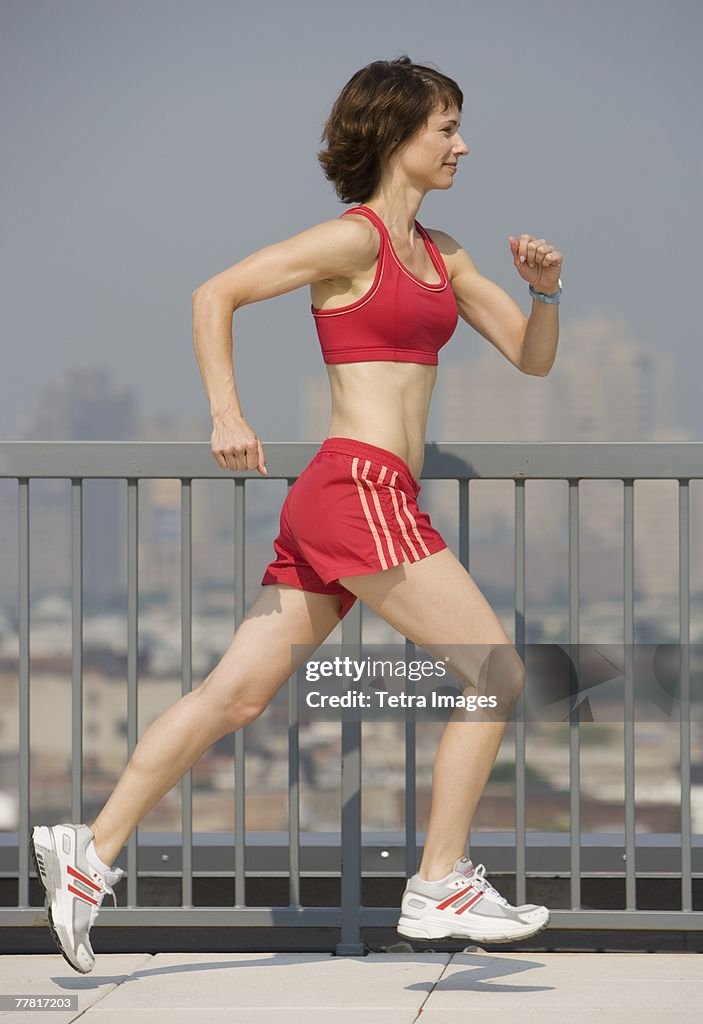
<point>435,603</point>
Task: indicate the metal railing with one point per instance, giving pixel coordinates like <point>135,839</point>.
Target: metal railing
<point>462,462</point>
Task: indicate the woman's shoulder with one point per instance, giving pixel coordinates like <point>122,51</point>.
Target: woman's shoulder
<point>354,234</point>
<point>345,246</point>
<point>358,235</point>
<point>350,224</point>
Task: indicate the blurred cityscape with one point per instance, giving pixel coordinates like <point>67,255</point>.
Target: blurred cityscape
<point>605,386</point>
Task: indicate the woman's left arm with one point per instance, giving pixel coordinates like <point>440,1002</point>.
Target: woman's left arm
<point>539,263</point>
<point>528,343</point>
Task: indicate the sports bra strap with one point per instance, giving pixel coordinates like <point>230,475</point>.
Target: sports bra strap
<point>370,215</point>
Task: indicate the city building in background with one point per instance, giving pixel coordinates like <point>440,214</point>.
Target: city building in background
<point>83,405</point>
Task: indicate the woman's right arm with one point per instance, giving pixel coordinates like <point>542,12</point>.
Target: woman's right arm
<point>334,248</point>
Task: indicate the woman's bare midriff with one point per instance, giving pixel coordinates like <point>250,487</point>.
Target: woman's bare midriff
<point>383,403</point>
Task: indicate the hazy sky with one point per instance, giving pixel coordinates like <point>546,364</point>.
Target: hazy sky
<point>149,145</point>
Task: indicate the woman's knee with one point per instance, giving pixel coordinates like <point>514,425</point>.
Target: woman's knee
<point>233,708</point>
<point>502,676</point>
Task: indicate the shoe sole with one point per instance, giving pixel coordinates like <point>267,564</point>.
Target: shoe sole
<point>414,930</point>
<point>45,864</point>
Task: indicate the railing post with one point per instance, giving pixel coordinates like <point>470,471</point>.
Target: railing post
<point>132,664</point>
<point>240,899</point>
<point>186,684</point>
<point>350,943</point>
<point>576,712</point>
<point>77,649</point>
<point>685,698</point>
<point>23,667</point>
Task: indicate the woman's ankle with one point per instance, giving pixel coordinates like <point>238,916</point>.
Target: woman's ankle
<point>101,852</point>
<point>435,872</point>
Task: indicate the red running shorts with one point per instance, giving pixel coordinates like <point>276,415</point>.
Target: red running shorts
<point>353,510</point>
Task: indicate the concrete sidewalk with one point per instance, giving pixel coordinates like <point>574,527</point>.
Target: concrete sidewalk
<point>381,988</point>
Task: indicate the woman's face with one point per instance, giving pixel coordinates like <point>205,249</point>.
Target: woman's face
<point>428,158</point>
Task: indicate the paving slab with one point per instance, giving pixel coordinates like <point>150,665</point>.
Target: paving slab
<point>50,975</point>
<point>574,986</point>
<point>280,981</point>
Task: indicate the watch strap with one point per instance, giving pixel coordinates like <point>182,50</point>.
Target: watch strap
<point>552,299</point>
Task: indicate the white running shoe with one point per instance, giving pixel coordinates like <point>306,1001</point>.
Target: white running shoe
<point>74,888</point>
<point>466,906</point>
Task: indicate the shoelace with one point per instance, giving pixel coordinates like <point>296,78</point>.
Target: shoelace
<point>478,878</point>
<point>111,878</point>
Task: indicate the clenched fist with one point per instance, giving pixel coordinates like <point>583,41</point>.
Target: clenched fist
<point>537,262</point>
<point>235,445</point>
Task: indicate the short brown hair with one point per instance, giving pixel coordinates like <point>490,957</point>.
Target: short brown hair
<point>379,109</point>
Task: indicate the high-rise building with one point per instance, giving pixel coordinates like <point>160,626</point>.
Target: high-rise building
<point>84,405</point>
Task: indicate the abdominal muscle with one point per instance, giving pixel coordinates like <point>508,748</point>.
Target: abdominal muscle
<point>385,404</point>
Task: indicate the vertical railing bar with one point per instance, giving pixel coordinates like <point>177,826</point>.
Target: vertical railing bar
<point>574,718</point>
<point>464,560</point>
<point>685,712</point>
<point>77,649</point>
<point>411,860</point>
<point>293,785</point>
<point>132,661</point>
<point>293,794</point>
<point>23,611</point>
<point>239,736</point>
<point>520,623</point>
<point>464,523</point>
<point>186,684</point>
<point>350,943</point>
<point>629,576</point>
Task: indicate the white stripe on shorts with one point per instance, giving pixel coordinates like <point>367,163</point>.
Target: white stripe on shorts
<point>411,519</point>
<point>377,505</point>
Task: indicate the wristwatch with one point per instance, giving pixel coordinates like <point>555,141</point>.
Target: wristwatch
<point>553,299</point>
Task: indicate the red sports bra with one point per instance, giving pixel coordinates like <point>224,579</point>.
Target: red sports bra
<point>400,318</point>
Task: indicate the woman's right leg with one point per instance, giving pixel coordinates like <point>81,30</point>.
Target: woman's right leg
<point>435,603</point>
<point>257,663</point>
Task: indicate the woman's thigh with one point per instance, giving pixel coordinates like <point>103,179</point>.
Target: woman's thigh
<point>436,604</point>
<point>282,628</point>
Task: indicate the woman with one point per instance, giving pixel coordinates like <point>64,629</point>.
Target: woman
<point>386,296</point>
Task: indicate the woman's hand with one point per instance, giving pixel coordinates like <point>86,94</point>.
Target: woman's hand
<point>235,445</point>
<point>537,262</point>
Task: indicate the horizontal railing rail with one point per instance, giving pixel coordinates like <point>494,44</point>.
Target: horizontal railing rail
<point>572,462</point>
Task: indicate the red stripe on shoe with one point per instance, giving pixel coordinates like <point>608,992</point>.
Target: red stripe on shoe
<point>454,898</point>
<point>469,903</point>
<point>83,878</point>
<point>83,896</point>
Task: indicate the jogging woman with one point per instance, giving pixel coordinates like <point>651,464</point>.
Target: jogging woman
<point>386,296</point>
